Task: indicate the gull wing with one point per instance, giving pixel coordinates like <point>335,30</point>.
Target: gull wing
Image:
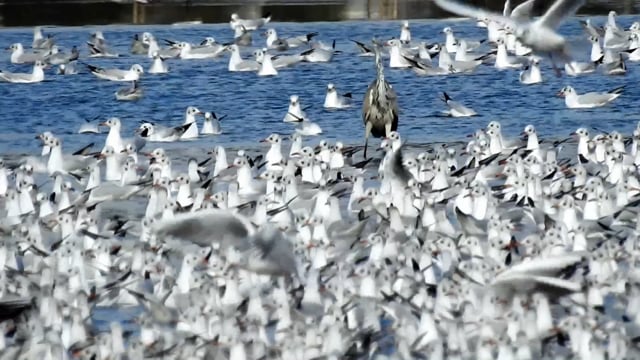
<point>274,252</point>
<point>474,12</point>
<point>523,11</point>
<point>15,77</point>
<point>560,10</point>
<point>207,226</point>
<point>595,98</point>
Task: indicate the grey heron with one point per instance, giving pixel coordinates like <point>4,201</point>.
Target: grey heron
<point>380,106</point>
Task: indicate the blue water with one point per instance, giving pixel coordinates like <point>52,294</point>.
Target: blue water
<point>255,106</point>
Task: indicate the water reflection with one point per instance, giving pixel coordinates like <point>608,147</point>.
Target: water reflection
<point>21,13</point>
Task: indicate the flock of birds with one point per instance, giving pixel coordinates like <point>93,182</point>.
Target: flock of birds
<point>497,248</point>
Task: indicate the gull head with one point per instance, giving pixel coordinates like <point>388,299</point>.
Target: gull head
<point>272,139</point>
<point>405,25</point>
<point>235,17</point>
<point>393,42</point>
<point>106,152</point>
<point>111,122</point>
<point>271,33</point>
<point>567,90</point>
<point>15,47</point>
<point>146,37</point>
<point>331,87</point>
<point>581,133</point>
<point>208,41</point>
<point>495,125</point>
<point>293,100</point>
<point>529,130</point>
<point>447,30</point>
<point>193,111</point>
<point>137,68</point>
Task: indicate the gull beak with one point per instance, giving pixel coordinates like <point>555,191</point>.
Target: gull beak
<point>560,94</point>
<point>102,124</point>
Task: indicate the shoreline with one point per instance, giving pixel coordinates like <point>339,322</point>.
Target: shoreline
<point>101,12</point>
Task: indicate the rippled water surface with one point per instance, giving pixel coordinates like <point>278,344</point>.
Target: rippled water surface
<point>255,105</point>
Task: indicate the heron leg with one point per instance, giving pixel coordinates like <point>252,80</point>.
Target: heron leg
<point>367,132</point>
<point>387,129</point>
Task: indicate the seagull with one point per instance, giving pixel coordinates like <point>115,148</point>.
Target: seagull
<point>333,100</point>
<point>456,109</point>
<point>68,69</point>
<point>57,58</point>
<point>190,122</point>
<point>397,54</point>
<point>540,35</point>
<point>405,32</point>
<point>319,53</point>
<point>138,47</point>
<point>295,111</point>
<point>531,73</point>
<point>131,93</point>
<point>590,99</point>
<point>158,65</point>
<point>37,75</point>
<point>158,133</point>
<point>211,124</point>
<point>266,250</point>
<point>274,42</point>
<point>204,52</point>
<point>237,63</point>
<point>20,56</point>
<point>39,41</point>
<point>249,24</point>
<point>98,46</point>
<point>242,36</point>
<point>133,74</point>
<point>266,67</point>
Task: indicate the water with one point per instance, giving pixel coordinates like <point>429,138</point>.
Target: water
<point>255,106</point>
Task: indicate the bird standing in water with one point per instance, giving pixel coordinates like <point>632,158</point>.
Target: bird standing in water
<point>380,107</point>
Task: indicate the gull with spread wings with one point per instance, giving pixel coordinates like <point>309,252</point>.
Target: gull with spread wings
<point>540,35</point>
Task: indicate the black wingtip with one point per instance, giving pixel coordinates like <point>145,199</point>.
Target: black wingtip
<point>446,96</point>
